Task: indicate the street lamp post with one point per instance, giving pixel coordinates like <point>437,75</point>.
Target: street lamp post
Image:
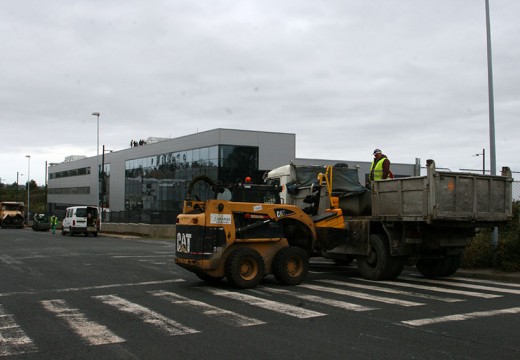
<point>491,100</point>
<point>103,181</point>
<point>17,174</point>
<point>483,154</point>
<point>97,158</point>
<point>28,188</point>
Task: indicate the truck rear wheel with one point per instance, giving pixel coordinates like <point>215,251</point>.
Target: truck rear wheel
<point>439,267</point>
<point>244,268</point>
<point>379,264</point>
<point>291,265</point>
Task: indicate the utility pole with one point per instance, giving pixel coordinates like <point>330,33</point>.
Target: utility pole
<point>97,114</point>
<point>28,188</point>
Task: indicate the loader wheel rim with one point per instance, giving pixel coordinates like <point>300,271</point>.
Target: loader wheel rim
<point>248,269</point>
<point>294,267</point>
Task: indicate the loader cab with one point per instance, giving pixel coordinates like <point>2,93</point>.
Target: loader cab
<point>255,193</point>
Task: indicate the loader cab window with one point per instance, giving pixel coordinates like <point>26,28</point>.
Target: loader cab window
<point>253,193</point>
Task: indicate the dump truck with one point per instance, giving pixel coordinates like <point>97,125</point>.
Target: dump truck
<point>11,214</point>
<point>425,221</point>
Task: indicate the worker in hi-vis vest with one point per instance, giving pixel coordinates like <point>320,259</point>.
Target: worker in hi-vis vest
<point>54,223</point>
<point>380,168</point>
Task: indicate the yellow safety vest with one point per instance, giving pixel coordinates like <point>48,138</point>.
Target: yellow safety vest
<point>376,170</point>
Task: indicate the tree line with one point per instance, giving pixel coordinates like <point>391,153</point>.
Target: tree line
<point>18,192</point>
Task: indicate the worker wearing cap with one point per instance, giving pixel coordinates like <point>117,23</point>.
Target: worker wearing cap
<point>380,168</point>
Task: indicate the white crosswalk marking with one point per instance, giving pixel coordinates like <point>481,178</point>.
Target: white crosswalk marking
<point>167,325</point>
<point>470,286</point>
<point>13,340</point>
<point>491,282</point>
<point>92,332</point>
<point>318,299</point>
<point>391,291</point>
<point>275,306</point>
<point>435,288</point>
<point>460,317</point>
<point>360,295</point>
<point>87,288</point>
<point>226,316</point>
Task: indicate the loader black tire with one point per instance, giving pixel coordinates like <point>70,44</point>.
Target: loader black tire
<point>244,268</point>
<point>439,267</point>
<point>290,265</point>
<point>379,264</point>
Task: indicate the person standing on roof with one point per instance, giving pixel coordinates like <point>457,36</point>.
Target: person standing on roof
<point>380,168</point>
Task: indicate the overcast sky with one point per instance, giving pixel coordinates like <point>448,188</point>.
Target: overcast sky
<point>345,76</point>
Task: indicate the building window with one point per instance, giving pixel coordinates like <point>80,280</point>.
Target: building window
<point>84,190</point>
<point>69,173</point>
<point>237,162</point>
<point>161,182</point>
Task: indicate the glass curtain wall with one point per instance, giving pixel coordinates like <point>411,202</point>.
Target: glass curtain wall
<point>160,182</point>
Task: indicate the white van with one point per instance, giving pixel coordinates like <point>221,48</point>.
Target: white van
<point>81,220</point>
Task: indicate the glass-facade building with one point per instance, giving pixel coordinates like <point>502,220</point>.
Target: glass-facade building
<point>160,182</point>
<point>154,177</point>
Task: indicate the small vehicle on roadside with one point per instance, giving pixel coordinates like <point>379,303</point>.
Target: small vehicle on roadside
<point>81,220</point>
<point>41,222</point>
<point>11,214</point>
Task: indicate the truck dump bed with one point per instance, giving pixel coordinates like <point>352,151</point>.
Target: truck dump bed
<point>444,196</point>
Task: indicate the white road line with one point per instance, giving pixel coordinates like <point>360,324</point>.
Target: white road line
<point>460,317</point>
<point>151,317</point>
<point>492,282</point>
<point>360,295</point>
<point>92,332</point>
<point>330,302</point>
<point>13,340</point>
<point>470,286</point>
<point>153,262</point>
<point>11,263</point>
<point>91,287</point>
<point>435,288</point>
<point>223,315</point>
<point>391,291</point>
<point>275,306</point>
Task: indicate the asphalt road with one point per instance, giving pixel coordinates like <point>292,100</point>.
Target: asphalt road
<point>113,298</point>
